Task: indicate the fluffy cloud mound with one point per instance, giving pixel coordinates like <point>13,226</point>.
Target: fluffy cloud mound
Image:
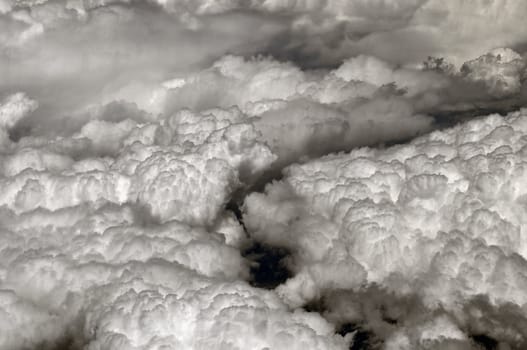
<point>364,101</point>
<point>112,283</point>
<point>441,218</point>
<point>115,238</point>
<point>73,54</point>
<point>162,166</point>
<point>502,70</point>
<point>213,316</point>
<point>131,133</point>
<point>14,108</point>
<point>115,233</point>
<point>356,104</point>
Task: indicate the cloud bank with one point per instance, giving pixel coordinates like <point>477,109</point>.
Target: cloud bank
<point>155,154</point>
<point>438,221</point>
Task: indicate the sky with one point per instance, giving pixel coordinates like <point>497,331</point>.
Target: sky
<point>263,174</point>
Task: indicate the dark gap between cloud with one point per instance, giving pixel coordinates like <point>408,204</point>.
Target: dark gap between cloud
<point>484,341</point>
<point>268,264</point>
<point>362,339</point>
<point>66,342</point>
<point>269,267</point>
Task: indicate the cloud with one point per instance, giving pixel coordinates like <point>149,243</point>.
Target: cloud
<point>324,33</point>
<point>190,158</point>
<point>12,109</point>
<point>136,138</point>
<point>501,70</point>
<point>214,317</point>
<point>329,111</point>
<point>109,234</point>
<point>120,285</point>
<point>364,101</point>
<point>440,217</point>
<point>69,55</point>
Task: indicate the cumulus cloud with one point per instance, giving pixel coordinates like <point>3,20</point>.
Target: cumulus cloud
<point>76,53</point>
<point>14,108</point>
<point>85,239</point>
<point>136,139</point>
<point>440,218</point>
<point>502,70</point>
<point>328,111</point>
<point>71,54</point>
<point>364,101</point>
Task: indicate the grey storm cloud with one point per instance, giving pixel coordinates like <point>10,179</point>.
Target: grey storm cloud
<point>263,174</point>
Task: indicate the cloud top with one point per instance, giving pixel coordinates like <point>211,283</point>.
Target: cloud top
<point>150,149</point>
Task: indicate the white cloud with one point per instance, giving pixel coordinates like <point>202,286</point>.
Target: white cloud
<point>441,217</point>
<point>130,131</point>
<point>108,237</point>
<point>501,70</point>
<point>328,111</point>
<point>12,109</point>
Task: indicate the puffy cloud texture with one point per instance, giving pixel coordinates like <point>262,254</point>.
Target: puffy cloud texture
<point>440,219</point>
<point>136,139</point>
<point>126,244</point>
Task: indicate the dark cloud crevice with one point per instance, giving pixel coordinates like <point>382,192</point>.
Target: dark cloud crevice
<point>485,342</point>
<point>362,339</point>
<point>268,265</point>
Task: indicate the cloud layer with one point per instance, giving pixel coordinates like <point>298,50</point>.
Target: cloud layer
<point>126,243</point>
<point>440,220</point>
<point>137,137</point>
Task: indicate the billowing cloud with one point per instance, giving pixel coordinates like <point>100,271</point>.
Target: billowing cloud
<point>70,54</point>
<point>14,108</point>
<point>75,53</point>
<point>440,219</point>
<point>183,174</point>
<point>502,71</point>
<point>127,244</point>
